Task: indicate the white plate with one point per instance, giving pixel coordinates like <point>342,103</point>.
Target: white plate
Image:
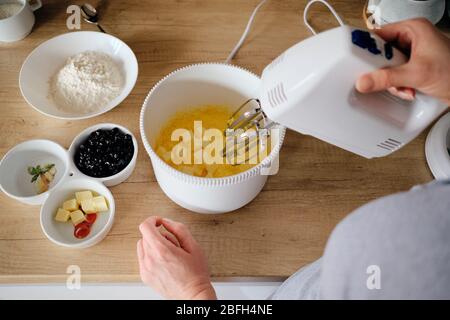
<point>51,55</point>
<point>118,177</point>
<point>62,233</point>
<point>436,148</point>
<point>15,181</point>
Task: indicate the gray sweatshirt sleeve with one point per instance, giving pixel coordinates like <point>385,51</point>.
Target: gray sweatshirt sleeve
<point>396,247</point>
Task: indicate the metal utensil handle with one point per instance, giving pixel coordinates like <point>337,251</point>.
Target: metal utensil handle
<point>100,28</point>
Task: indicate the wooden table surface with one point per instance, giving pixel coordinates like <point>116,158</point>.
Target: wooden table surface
<point>284,228</point>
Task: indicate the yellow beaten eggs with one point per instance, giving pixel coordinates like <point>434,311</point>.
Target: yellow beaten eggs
<point>189,120</point>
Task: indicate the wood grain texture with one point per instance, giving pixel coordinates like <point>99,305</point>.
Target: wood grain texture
<point>284,228</point>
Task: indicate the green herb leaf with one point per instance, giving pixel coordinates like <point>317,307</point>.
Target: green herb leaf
<point>38,170</point>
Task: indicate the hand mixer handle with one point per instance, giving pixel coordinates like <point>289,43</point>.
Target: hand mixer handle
<point>411,115</point>
<point>310,88</point>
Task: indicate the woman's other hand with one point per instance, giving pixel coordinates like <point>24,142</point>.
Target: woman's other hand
<point>172,262</point>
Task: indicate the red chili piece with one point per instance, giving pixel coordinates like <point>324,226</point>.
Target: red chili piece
<point>90,218</point>
<point>82,230</point>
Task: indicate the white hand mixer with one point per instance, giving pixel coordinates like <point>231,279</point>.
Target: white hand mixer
<point>310,88</point>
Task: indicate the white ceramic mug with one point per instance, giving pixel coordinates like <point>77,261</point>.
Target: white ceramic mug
<point>389,11</point>
<point>19,25</point>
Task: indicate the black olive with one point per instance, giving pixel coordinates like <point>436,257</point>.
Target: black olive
<point>104,153</point>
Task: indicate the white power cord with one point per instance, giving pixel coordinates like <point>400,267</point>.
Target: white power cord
<point>309,4</point>
<point>245,34</point>
<point>255,11</point>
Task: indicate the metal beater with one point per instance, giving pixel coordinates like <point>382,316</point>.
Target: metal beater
<point>246,134</point>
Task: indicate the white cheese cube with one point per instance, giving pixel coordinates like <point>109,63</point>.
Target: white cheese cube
<point>77,217</point>
<point>70,205</point>
<point>83,195</point>
<point>100,204</point>
<point>88,206</point>
<point>62,215</point>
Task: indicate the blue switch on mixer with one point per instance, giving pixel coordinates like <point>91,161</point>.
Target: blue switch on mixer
<point>388,52</point>
<point>364,40</point>
<point>361,38</point>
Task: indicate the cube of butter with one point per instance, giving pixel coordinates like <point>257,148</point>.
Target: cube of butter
<point>83,195</point>
<point>88,206</point>
<point>62,215</point>
<point>100,204</point>
<point>77,217</point>
<point>70,205</point>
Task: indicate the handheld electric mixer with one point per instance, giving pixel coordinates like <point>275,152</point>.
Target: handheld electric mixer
<point>310,88</point>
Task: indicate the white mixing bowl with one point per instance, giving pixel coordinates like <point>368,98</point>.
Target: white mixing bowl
<point>198,85</point>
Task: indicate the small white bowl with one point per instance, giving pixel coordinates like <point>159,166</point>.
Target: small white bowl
<point>44,61</point>
<point>197,85</point>
<point>118,177</point>
<point>436,148</point>
<point>63,233</point>
<point>15,181</point>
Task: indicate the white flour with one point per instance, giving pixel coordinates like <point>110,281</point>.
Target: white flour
<point>9,9</point>
<point>88,82</point>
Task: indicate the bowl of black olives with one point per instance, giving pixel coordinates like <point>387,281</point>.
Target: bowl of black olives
<point>106,152</point>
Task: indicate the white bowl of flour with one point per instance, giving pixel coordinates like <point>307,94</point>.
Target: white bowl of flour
<point>78,75</point>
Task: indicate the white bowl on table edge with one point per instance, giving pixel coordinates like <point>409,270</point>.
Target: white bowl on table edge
<point>197,85</point>
<point>118,177</point>
<point>436,148</point>
<point>45,60</point>
<point>62,233</point>
<point>15,181</point>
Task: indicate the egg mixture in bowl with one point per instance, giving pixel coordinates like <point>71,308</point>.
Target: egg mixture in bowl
<point>204,156</point>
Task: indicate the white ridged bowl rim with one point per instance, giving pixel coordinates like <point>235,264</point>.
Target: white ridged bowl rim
<point>200,181</point>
